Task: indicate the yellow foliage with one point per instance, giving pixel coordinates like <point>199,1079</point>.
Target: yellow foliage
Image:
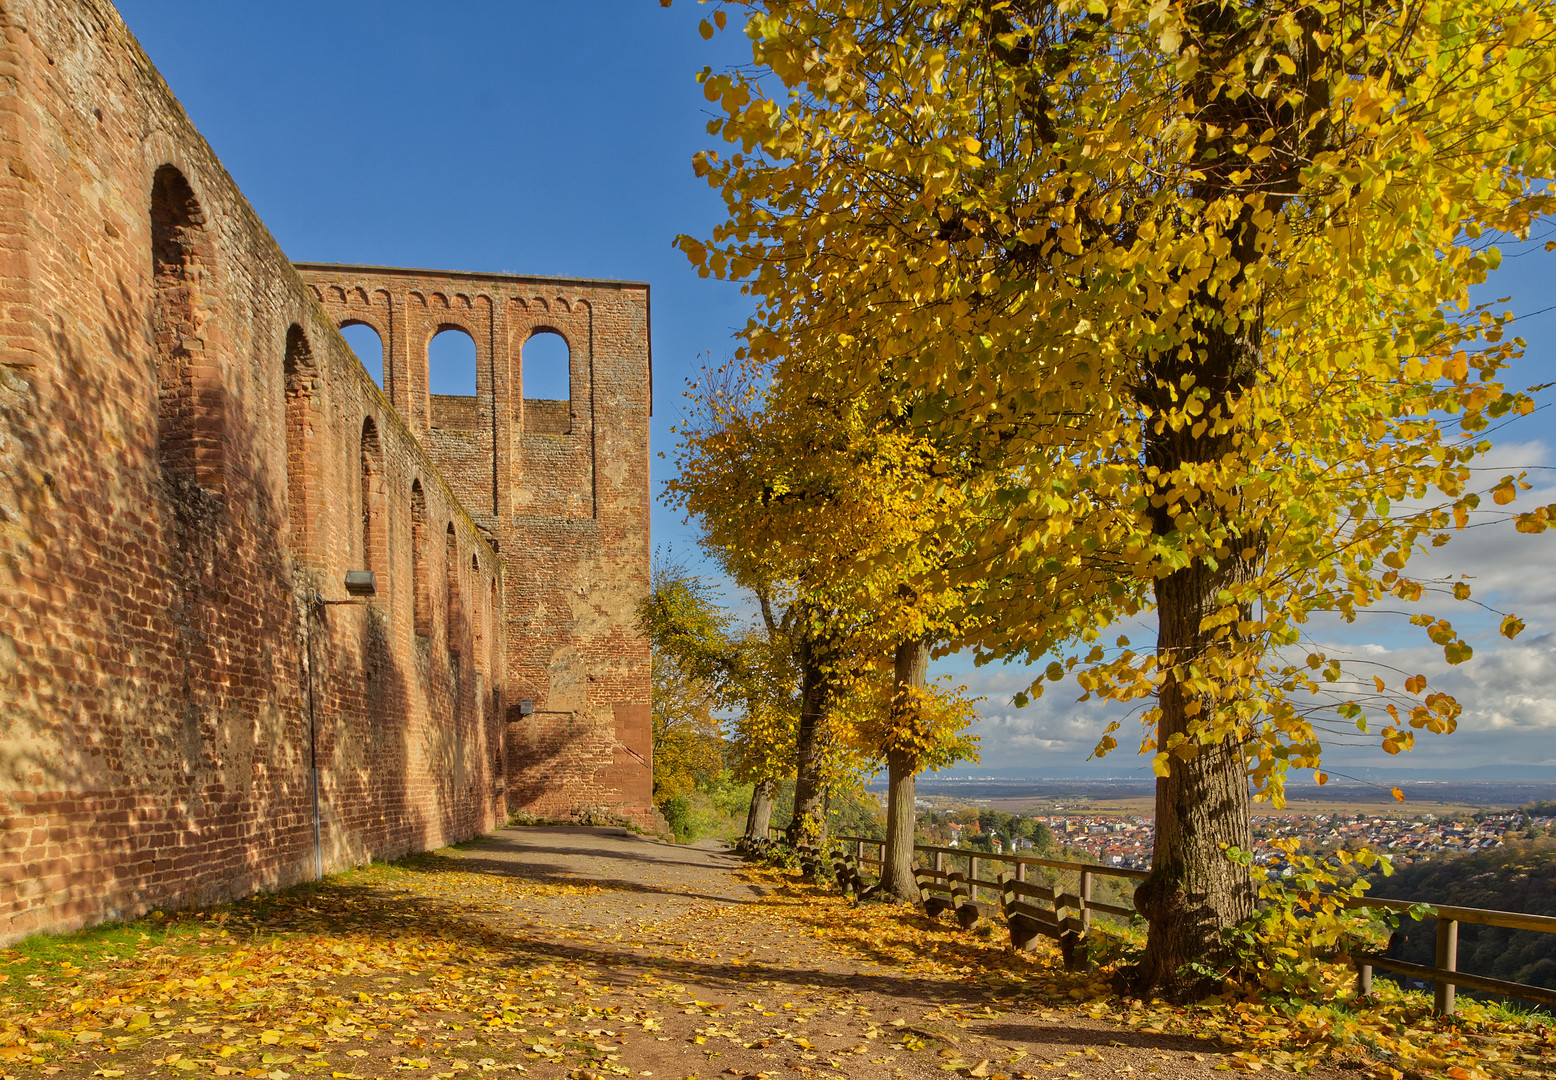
<point>1205,320</point>
<point>687,739</point>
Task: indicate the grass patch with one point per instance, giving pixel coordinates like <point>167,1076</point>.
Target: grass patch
<point>28,965</point>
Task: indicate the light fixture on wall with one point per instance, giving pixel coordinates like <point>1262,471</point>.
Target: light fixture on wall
<point>360,586</point>
<point>526,707</point>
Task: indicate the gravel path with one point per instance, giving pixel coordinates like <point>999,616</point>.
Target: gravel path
<point>743,986</point>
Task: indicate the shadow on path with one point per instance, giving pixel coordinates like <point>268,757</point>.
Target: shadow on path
<point>375,911</point>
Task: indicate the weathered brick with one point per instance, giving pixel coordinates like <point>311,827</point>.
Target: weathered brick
<point>187,447</point>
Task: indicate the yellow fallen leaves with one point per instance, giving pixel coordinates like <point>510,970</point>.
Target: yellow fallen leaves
<point>378,964</point>
<point>1390,1034</point>
<point>386,971</point>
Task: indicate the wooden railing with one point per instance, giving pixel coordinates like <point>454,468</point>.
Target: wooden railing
<point>1444,973</point>
<point>1081,900</point>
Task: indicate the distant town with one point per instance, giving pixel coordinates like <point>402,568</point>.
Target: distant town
<point>1125,839</point>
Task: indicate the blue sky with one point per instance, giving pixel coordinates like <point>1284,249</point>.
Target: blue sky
<point>557,138</point>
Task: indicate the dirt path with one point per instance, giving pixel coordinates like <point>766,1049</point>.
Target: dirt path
<point>568,952</point>
<point>759,992</point>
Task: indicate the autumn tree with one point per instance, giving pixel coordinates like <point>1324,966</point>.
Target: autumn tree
<point>729,453</point>
<point>914,725</point>
<point>1193,281</point>
<point>862,497</point>
<point>687,738</point>
<point>850,499</point>
<point>747,672</point>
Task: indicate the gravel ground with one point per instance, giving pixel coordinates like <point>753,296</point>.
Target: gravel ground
<point>746,990</point>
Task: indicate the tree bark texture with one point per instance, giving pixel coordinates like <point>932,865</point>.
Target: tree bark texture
<point>1195,892</point>
<point>902,766</point>
<point>763,794</point>
<point>817,691</point>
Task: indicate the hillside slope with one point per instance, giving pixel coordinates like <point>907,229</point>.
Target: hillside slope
<point>1521,876</point>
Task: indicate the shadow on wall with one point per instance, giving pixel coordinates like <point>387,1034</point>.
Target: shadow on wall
<point>185,774</point>
<point>365,752</point>
<point>178,721</point>
<point>544,746</point>
<point>394,777</point>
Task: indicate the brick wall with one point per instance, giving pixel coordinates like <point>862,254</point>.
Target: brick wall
<point>561,486</point>
<point>188,454</point>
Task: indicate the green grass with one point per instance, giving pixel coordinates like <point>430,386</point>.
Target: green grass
<point>39,954</point>
<point>1513,1012</point>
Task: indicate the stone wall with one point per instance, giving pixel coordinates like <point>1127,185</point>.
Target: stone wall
<point>562,488</point>
<point>189,455</point>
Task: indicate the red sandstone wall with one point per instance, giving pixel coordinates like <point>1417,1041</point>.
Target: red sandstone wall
<point>181,467</point>
<point>563,488</point>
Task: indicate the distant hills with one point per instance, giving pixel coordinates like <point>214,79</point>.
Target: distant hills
<point>1340,774</point>
<point>1533,773</point>
<point>1482,785</point>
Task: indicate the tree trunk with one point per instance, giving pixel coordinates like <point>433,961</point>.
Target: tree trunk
<point>1195,893</point>
<point>897,880</point>
<point>763,795</point>
<point>809,824</point>
<point>902,765</point>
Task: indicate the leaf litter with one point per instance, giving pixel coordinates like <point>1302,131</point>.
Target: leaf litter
<point>455,963</point>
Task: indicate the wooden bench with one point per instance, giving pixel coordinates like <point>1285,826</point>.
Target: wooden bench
<point>1029,921</point>
<point>812,858</point>
<point>757,847</point>
<point>849,878</point>
<point>942,891</point>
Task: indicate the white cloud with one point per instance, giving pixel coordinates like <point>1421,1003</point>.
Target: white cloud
<point>1054,733</point>
<point>1507,690</point>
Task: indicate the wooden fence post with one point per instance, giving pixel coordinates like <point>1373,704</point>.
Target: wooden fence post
<point>1085,899</point>
<point>1364,980</point>
<point>1447,960</point>
<point>972,876</point>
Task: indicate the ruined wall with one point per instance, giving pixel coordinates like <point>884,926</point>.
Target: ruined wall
<point>188,453</point>
<point>561,486</point>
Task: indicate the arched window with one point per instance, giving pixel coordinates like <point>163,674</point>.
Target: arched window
<point>190,408</point>
<point>421,604</point>
<point>478,616</point>
<point>375,498</point>
<point>451,380</point>
<point>301,478</point>
<point>547,367</point>
<point>454,621</point>
<point>493,614</point>
<point>546,377</point>
<point>369,347</point>
<point>451,366</point>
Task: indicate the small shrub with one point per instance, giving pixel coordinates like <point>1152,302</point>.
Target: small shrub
<point>1288,948</point>
<point>677,810</point>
